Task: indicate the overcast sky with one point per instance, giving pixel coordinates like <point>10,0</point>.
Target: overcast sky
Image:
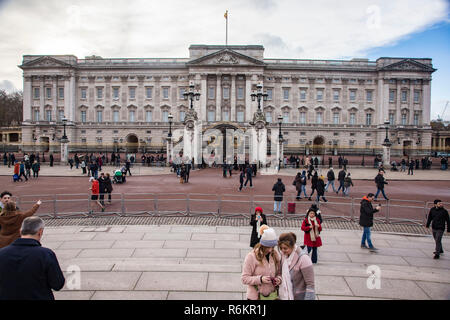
<point>320,29</point>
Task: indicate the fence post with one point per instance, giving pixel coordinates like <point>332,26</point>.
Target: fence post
<point>156,203</point>
<point>188,208</point>
<point>388,213</point>
<point>122,204</point>
<point>219,206</point>
<point>353,210</point>
<point>55,214</point>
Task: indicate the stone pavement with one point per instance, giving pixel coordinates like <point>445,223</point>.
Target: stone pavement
<point>357,173</point>
<point>170,262</point>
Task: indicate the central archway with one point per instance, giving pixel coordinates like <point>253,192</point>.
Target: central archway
<point>223,127</point>
<point>132,143</point>
<point>318,145</point>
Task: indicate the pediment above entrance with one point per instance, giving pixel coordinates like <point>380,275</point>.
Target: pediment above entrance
<point>408,65</point>
<point>46,62</point>
<point>226,57</point>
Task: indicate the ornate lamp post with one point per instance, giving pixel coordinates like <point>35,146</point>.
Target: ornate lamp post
<point>259,95</point>
<point>169,139</point>
<point>64,142</point>
<point>280,141</point>
<point>259,123</point>
<point>191,95</point>
<point>190,121</point>
<point>386,145</point>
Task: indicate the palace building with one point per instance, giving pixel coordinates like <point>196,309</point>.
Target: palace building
<point>327,106</point>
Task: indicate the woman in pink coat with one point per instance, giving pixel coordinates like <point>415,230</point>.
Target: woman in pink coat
<point>261,271</point>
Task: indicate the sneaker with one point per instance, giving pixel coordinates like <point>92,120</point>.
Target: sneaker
<point>363,246</point>
<point>309,198</point>
<point>436,256</point>
<point>373,249</point>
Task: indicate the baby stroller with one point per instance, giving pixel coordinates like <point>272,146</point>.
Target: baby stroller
<point>118,178</point>
<point>15,177</point>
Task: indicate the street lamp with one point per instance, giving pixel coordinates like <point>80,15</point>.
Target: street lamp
<point>280,139</point>
<point>386,140</point>
<point>64,138</point>
<point>258,95</point>
<point>191,94</point>
<point>170,117</point>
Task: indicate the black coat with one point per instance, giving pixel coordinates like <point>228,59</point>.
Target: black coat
<point>279,190</point>
<point>320,187</point>
<point>330,175</point>
<point>108,185</point>
<point>314,181</point>
<point>254,236</point>
<point>366,213</point>
<point>341,175</point>
<point>438,217</point>
<point>29,271</point>
<point>380,181</point>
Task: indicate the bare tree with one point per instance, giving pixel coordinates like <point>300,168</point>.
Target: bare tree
<point>11,106</point>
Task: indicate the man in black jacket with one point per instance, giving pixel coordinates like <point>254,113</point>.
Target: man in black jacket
<point>331,177</point>
<point>366,220</point>
<point>279,189</point>
<point>438,217</point>
<point>380,182</point>
<point>341,178</point>
<point>27,270</point>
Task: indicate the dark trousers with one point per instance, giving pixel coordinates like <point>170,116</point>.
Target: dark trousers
<point>35,174</point>
<point>341,186</point>
<point>312,191</point>
<point>102,199</point>
<point>128,170</point>
<point>411,170</point>
<point>23,174</point>
<point>249,178</point>
<point>437,235</point>
<point>314,254</point>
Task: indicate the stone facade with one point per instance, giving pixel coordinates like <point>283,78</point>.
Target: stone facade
<point>328,106</point>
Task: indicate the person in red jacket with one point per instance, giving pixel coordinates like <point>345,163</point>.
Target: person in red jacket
<point>312,228</point>
<point>95,190</point>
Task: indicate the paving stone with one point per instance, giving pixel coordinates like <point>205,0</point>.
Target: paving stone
<point>53,245</point>
<point>411,245</point>
<point>331,285</point>
<point>333,256</point>
<point>62,254</point>
<point>376,258</point>
<point>188,244</point>
<point>73,295</point>
<point>231,244</point>
<point>225,282</point>
<point>119,236</point>
<point>173,281</point>
<point>193,229</point>
<point>130,295</point>
<point>150,266</point>
<point>61,230</point>
<point>390,289</point>
<point>428,262</point>
<point>87,264</point>
<point>87,244</point>
<point>68,237</point>
<point>147,229</point>
<point>376,242</point>
<point>117,229</point>
<point>167,236</point>
<point>155,252</point>
<point>210,253</point>
<point>182,295</point>
<point>137,244</point>
<point>216,236</point>
<point>106,253</point>
<point>436,291</point>
<point>107,281</point>
<point>221,261</point>
<point>355,248</point>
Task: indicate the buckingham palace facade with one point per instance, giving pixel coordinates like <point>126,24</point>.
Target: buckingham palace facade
<point>327,106</point>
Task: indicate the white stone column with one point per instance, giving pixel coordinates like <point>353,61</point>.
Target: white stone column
<point>233,98</point>
<point>219,97</point>
<point>426,102</point>
<point>72,99</point>
<point>382,105</point>
<point>55,98</point>
<point>64,153</point>
<point>386,155</point>
<point>41,100</point>
<point>248,99</point>
<point>203,98</point>
<point>398,104</point>
<point>411,102</point>
<point>27,99</point>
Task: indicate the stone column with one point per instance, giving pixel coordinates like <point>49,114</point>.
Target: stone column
<point>55,98</point>
<point>27,99</point>
<point>426,102</point>
<point>233,98</point>
<point>411,102</point>
<point>219,97</point>
<point>72,98</point>
<point>41,100</point>
<point>386,155</point>
<point>203,97</point>
<point>248,99</point>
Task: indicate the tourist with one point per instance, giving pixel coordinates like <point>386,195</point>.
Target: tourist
<point>71,163</point>
<point>261,271</point>
<point>403,163</point>
<point>241,179</point>
<point>321,189</point>
<point>22,171</point>
<point>331,177</point>
<point>101,187</point>
<point>314,181</point>
<point>10,221</point>
<point>316,209</point>
<point>4,199</point>
<point>5,159</point>
<point>278,189</point>
<point>36,167</point>
<point>380,181</point>
<point>347,184</point>
<point>95,190</point>
<point>17,170</point>
<point>29,271</point>
<point>83,166</point>
<point>297,271</point>
<point>77,160</point>
<point>341,179</point>
<point>438,217</point>
<point>256,221</point>
<point>312,228</point>
<point>108,186</point>
<point>366,220</point>
<point>249,172</point>
<point>411,167</point>
<point>298,182</point>
<point>28,168</point>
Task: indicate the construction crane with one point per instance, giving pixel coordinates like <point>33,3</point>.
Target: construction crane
<point>440,118</point>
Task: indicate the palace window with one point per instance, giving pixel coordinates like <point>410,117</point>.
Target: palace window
<point>181,92</point>
<point>83,93</point>
<point>368,119</point>
<point>99,93</point>
<point>391,118</point>
<point>269,94</point>
<point>404,119</point>
<point>352,95</point>
<point>391,95</point>
<point>416,95</point>
<point>302,117</point>
<point>285,117</point>
<point>269,117</point>
<point>182,115</point>
<point>211,93</point>
<point>352,118</point>
<point>99,116</point>
<point>369,94</point>
<point>240,116</point>
<point>226,93</point>
<point>115,93</point>
<point>61,93</point>
<point>48,92</point>
<point>336,95</point>
<point>131,117</point>
<point>132,93</point>
<point>48,115</point>
<point>36,93</point>
<point>319,94</point>
<point>165,93</point>
<point>286,94</point>
<point>211,116</point>
<point>416,119</point>
<point>404,96</point>
<point>225,115</point>
<point>83,116</point>
<point>60,115</point>
<point>165,116</point>
<point>303,94</point>
<point>336,118</point>
<point>319,117</point>
<point>148,92</point>
<point>240,93</point>
<point>116,116</point>
<point>148,116</point>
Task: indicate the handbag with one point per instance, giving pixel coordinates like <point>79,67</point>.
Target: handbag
<point>272,296</point>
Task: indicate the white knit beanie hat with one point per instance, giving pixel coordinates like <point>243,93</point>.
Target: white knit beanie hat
<point>269,237</point>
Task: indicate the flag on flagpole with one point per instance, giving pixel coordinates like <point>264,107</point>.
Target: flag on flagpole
<point>226,15</point>
<point>226,31</point>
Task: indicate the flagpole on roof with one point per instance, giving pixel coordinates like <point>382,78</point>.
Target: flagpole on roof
<point>226,28</point>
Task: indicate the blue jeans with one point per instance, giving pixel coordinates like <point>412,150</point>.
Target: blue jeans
<point>314,254</point>
<point>346,191</point>
<point>277,206</point>
<point>382,191</point>
<point>366,236</point>
<point>332,184</point>
<point>341,186</point>
<point>302,189</point>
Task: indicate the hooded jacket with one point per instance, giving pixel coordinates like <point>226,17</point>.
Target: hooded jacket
<point>279,190</point>
<point>366,213</point>
<point>438,217</point>
<point>254,236</point>
<point>11,222</point>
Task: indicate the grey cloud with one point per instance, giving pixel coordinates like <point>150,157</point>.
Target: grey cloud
<point>8,86</point>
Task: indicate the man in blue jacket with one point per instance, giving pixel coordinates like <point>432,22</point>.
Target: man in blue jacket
<point>27,270</point>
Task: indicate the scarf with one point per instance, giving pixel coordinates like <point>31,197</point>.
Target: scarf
<point>314,233</point>
<point>286,289</point>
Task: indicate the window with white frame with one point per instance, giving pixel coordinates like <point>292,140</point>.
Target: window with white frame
<point>132,91</point>
<point>165,93</point>
<point>416,119</point>
<point>165,116</point>
<point>336,117</point>
<point>302,118</point>
<point>404,119</point>
<point>36,93</point>
<point>99,116</point>
<point>148,92</point>
<point>115,93</point>
<point>352,119</point>
<point>319,94</point>
<point>240,116</point>
<point>60,115</point>
<point>48,93</point>
<point>211,93</point>
<point>182,115</point>
<point>368,119</point>
<point>352,95</point>
<point>286,117</point>
<point>36,115</point>
<point>336,95</point>
<point>269,116</point>
<point>416,96</point>
<point>285,93</point>
<point>391,118</point>
<point>319,117</point>
<point>302,94</point>
<point>61,93</point>
<point>83,116</point>
<point>181,92</point>
<point>391,95</point>
<point>99,93</point>
<point>225,115</point>
<point>269,94</point>
<point>148,116</point>
<point>116,116</point>
<point>369,94</point>
<point>404,95</point>
<point>240,93</point>
<point>226,93</point>
<point>211,115</point>
<point>131,116</point>
<point>48,115</point>
<point>83,93</point>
